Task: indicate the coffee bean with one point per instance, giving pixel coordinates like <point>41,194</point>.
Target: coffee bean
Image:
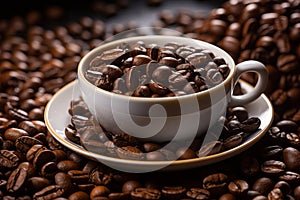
<point>65,182</point>
<point>210,148</point>
<point>274,167</point>
<point>24,143</point>
<point>291,158</point>
<point>99,177</point>
<point>79,195</point>
<point>130,186</point>
<point>198,193</point>
<point>37,183</point>
<point>42,157</point>
<point>173,192</point>
<point>130,152</point>
<point>99,191</point>
<point>118,195</point>
<point>290,177</point>
<point>216,184</point>
<point>287,125</point>
<point>185,153</point>
<point>297,192</point>
<point>145,193</point>
<point>14,133</point>
<point>227,196</point>
<point>66,165</point>
<point>232,141</point>
<point>18,177</point>
<point>263,185</point>
<point>8,159</point>
<point>275,194</point>
<point>238,187</point>
<point>250,125</point>
<point>284,187</point>
<point>49,192</point>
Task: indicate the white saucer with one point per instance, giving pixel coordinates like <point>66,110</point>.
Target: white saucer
<point>57,118</point>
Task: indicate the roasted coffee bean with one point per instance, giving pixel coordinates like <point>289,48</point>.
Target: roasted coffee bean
<point>240,112</point>
<point>273,167</point>
<point>284,187</point>
<point>14,133</point>
<point>145,193</point>
<point>142,91</point>
<point>118,195</point>
<point>100,177</point>
<point>48,170</point>
<point>290,177</point>
<point>227,196</point>
<point>34,150</point>
<point>37,183</point>
<point>250,125</point>
<point>79,195</point>
<point>130,152</point>
<point>173,192</point>
<point>18,177</point>
<point>263,185</point>
<point>49,192</point>
<point>130,186</point>
<point>99,191</point>
<point>155,156</point>
<point>287,126</point>
<point>78,176</point>
<point>238,187</point>
<point>8,159</point>
<point>42,157</point>
<point>210,148</point>
<point>291,157</point>
<point>232,141</point>
<point>216,184</point>
<point>198,193</point>
<point>275,194</point>
<point>271,152</point>
<point>65,182</point>
<point>66,165</point>
<point>185,153</point>
<point>24,143</point>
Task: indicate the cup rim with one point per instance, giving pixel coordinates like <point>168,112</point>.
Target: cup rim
<point>82,64</point>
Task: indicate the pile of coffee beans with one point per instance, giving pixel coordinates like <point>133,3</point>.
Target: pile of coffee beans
<point>267,31</point>
<point>142,70</point>
<point>85,131</point>
<point>39,55</point>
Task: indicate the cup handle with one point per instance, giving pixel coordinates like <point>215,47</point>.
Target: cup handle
<point>261,71</point>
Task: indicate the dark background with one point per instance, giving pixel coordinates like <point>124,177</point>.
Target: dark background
<point>137,10</point>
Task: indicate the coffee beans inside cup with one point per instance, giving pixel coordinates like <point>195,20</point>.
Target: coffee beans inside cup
<point>142,70</point>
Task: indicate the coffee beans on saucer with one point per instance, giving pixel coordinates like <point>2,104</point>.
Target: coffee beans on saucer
<point>142,70</point>
<point>84,130</point>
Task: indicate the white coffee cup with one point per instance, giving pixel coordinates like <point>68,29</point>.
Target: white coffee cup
<point>167,118</point>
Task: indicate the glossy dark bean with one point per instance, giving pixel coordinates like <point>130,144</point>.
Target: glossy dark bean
<point>130,186</point>
<point>274,167</point>
<point>216,184</point>
<point>99,191</point>
<point>238,187</point>
<point>49,192</point>
<point>8,159</point>
<point>145,193</point>
<point>18,177</point>
<point>198,193</point>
